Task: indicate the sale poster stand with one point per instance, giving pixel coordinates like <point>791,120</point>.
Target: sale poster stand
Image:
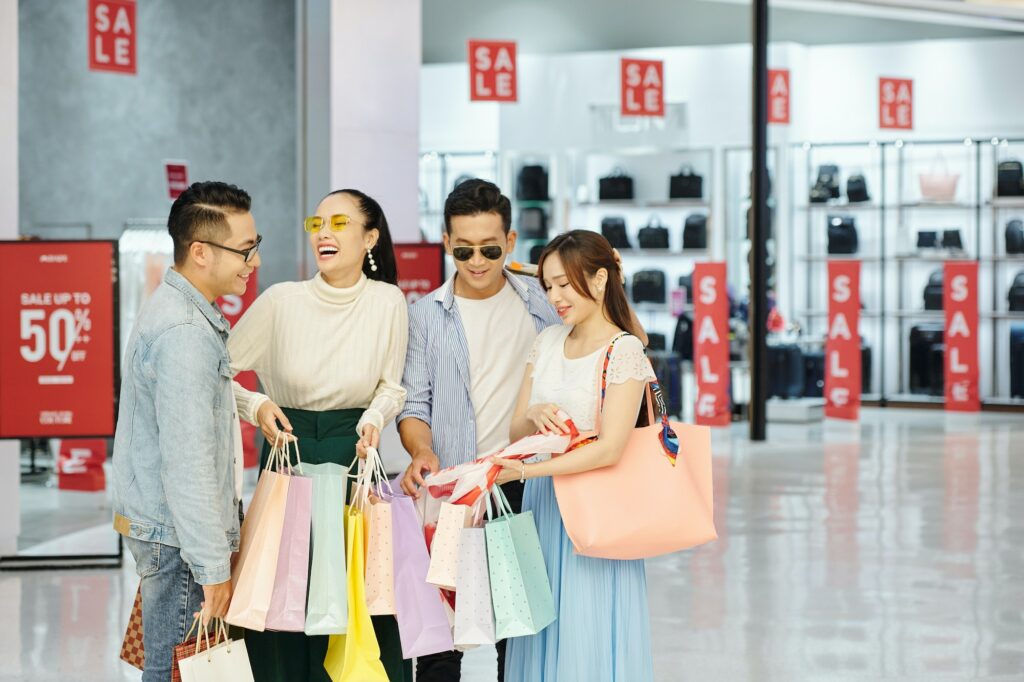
<point>50,562</point>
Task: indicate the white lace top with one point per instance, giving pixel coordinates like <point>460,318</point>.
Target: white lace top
<point>573,384</point>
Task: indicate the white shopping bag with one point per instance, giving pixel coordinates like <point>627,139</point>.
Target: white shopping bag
<point>227,661</point>
<point>474,618</point>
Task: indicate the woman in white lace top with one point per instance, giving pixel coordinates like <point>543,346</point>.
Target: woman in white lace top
<point>602,629</point>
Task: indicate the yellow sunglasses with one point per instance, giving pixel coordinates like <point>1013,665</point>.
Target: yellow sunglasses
<point>339,222</point>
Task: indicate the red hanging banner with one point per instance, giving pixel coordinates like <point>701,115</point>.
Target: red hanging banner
<point>492,71</point>
<point>642,87</point>
<point>842,345</point>
<point>960,302</point>
<point>233,308</point>
<point>778,96</point>
<point>896,103</point>
<point>112,35</point>
<point>711,344</point>
<point>420,269</point>
<point>177,178</point>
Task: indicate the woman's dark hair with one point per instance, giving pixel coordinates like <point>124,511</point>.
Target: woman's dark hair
<point>384,250</point>
<point>583,253</point>
<point>473,197</point>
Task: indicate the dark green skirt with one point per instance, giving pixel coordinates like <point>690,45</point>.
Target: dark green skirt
<point>328,436</point>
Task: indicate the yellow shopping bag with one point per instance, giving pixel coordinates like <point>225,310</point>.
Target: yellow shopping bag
<point>355,656</point>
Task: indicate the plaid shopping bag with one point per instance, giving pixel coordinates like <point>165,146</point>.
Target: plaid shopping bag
<point>190,647</point>
<point>131,649</point>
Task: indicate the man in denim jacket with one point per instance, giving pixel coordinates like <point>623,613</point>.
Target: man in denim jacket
<point>177,451</point>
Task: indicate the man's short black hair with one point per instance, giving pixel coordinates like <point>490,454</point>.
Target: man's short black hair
<point>200,214</point>
<point>473,197</point>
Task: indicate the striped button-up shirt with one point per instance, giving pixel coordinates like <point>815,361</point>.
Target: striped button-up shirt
<point>436,376</point>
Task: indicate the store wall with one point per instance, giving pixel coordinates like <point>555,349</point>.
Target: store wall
<point>215,86</point>
<point>10,465</point>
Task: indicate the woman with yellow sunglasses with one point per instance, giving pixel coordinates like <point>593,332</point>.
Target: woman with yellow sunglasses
<point>330,351</point>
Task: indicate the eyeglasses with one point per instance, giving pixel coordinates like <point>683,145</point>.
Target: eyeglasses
<point>490,252</point>
<point>247,254</point>
<point>339,222</point>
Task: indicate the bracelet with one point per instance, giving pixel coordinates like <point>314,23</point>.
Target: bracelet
<point>522,472</point>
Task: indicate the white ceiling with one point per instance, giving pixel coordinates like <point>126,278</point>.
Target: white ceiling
<point>551,26</point>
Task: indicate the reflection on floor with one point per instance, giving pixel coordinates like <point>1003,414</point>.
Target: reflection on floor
<point>893,549</point>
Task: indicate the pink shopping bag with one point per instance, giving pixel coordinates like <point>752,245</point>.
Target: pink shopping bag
<point>287,610</point>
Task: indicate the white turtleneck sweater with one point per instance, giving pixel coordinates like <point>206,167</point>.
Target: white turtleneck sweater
<point>317,347</point>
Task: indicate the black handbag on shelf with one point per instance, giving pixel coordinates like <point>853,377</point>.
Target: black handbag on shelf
<point>1010,179</point>
<point>686,185</point>
<point>826,186</point>
<point>616,186</point>
<point>695,232</point>
<point>649,286</point>
<point>927,239</point>
<point>614,230</point>
<point>535,252</point>
<point>655,341</point>
<point>933,291</point>
<point>653,236</point>
<point>785,371</point>
<point>682,340</point>
<point>533,223</point>
<point>686,284</point>
<point>842,235</point>
<point>951,240</point>
<point>1015,297</point>
<point>927,360</point>
<point>1017,361</point>
<point>532,184</point>
<point>857,189</point>
<point>1015,237</point>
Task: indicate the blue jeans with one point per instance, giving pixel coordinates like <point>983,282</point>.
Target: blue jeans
<point>170,597</point>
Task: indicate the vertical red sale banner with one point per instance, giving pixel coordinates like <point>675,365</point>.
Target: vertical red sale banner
<point>711,344</point>
<point>492,71</point>
<point>896,103</point>
<point>778,96</point>
<point>233,308</point>
<point>842,345</point>
<point>177,178</point>
<point>112,36</point>
<point>960,302</point>
<point>642,87</point>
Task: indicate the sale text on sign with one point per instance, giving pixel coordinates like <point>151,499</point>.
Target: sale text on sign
<point>57,340</point>
<point>711,344</point>
<point>778,96</point>
<point>896,103</point>
<point>492,71</point>
<point>842,345</point>
<point>112,35</point>
<point>642,87</point>
<point>960,302</point>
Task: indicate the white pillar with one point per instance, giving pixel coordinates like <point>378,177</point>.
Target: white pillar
<point>375,109</point>
<point>10,468</point>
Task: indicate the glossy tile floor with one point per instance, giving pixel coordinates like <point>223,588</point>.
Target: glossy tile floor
<point>892,549</point>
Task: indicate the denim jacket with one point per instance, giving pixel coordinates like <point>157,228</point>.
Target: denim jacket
<point>173,463</point>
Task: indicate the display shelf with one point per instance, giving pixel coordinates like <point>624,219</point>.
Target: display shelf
<point>635,203</point>
<point>918,314</point>
<point>932,257</point>
<point>820,258</point>
<point>939,206</point>
<point>1006,203</point>
<point>1003,316</point>
<point>864,314</point>
<point>664,253</point>
<point>842,206</point>
<point>922,398</point>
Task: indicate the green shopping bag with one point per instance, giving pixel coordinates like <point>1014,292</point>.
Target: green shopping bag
<point>327,605</point>
<point>520,591</point>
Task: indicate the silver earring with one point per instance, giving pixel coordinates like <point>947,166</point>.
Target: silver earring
<point>369,254</point>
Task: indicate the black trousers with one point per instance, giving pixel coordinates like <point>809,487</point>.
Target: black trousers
<point>447,666</point>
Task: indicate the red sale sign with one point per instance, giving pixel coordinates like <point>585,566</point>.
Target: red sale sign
<point>420,269</point>
<point>80,465</point>
<point>492,71</point>
<point>58,339</point>
<point>112,35</point>
<point>642,87</point>
<point>778,96</point>
<point>233,308</point>
<point>896,103</point>
<point>711,344</point>
<point>177,178</point>
<point>960,302</point>
<point>842,345</point>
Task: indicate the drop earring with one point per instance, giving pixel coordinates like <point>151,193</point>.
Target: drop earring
<point>369,255</point>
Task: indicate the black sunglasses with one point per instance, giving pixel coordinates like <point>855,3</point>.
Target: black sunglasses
<point>490,252</point>
<point>247,254</point>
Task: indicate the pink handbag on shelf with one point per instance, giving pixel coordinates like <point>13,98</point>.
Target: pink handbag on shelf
<point>656,499</point>
<point>938,184</point>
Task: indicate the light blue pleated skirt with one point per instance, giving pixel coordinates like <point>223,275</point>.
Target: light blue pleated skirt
<point>602,631</point>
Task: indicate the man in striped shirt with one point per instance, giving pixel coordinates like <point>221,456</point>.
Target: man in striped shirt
<point>468,345</point>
